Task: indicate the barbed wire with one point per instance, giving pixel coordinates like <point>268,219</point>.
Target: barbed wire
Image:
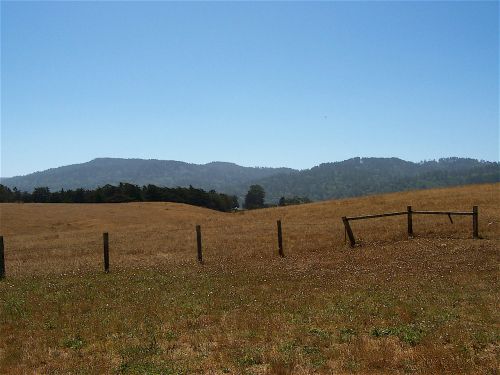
<point>266,224</point>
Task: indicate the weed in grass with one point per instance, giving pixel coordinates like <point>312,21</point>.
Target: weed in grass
<point>74,342</point>
<point>250,334</point>
<point>315,356</point>
<point>250,357</point>
<point>409,366</point>
<point>318,332</point>
<point>483,339</point>
<point>287,350</point>
<point>352,365</point>
<point>310,350</point>
<point>140,351</point>
<point>14,308</point>
<point>170,336</point>
<point>346,335</point>
<point>147,368</point>
<point>49,325</point>
<point>138,359</point>
<point>410,334</point>
<point>279,367</point>
<point>443,316</point>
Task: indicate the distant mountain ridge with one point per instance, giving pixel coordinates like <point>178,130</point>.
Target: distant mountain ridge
<point>101,171</point>
<point>348,178</point>
<point>363,176</point>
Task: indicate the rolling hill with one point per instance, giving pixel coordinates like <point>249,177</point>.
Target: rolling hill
<point>219,176</point>
<point>348,178</point>
<point>365,176</point>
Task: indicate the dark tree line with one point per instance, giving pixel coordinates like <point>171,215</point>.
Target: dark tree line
<point>256,195</point>
<point>124,192</point>
<point>286,201</point>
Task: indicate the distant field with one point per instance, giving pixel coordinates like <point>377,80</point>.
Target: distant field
<point>427,305</point>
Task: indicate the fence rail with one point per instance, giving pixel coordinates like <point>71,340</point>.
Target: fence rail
<point>442,213</point>
<point>375,216</point>
<point>409,212</point>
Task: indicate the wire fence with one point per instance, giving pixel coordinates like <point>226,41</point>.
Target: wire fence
<point>348,233</point>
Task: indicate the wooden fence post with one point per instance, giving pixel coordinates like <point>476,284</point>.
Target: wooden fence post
<point>2,259</point>
<point>475,222</point>
<point>198,242</point>
<point>410,222</point>
<point>280,240</point>
<point>105,238</point>
<point>349,231</point>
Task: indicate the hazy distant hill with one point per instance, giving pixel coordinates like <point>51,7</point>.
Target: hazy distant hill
<point>362,176</point>
<point>219,176</point>
<point>353,177</point>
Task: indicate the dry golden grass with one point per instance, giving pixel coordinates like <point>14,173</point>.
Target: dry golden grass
<point>394,305</point>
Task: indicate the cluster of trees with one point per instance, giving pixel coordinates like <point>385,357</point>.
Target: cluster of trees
<point>294,200</point>
<point>256,194</point>
<point>124,192</point>
<point>255,198</point>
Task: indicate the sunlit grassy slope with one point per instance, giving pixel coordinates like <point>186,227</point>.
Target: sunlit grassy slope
<point>393,305</point>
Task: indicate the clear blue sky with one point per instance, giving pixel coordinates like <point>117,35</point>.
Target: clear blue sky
<point>258,84</point>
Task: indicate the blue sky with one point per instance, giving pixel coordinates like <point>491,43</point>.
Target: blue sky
<point>258,84</point>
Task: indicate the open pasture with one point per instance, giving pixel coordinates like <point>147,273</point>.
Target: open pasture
<point>393,305</point>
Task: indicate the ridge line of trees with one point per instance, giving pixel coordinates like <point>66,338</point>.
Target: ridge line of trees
<point>122,193</point>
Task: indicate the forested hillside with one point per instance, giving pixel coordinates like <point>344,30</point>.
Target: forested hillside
<point>348,178</point>
<point>362,176</point>
<point>218,176</point>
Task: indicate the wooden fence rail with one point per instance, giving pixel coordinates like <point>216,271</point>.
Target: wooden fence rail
<point>409,212</point>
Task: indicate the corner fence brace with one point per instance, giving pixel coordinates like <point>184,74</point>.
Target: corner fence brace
<point>352,241</point>
<point>409,212</point>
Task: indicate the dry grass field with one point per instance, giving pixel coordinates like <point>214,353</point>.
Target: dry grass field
<point>426,305</point>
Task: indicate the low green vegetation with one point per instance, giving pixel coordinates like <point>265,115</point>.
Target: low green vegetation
<point>149,322</point>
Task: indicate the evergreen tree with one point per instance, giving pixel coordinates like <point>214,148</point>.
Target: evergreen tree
<point>41,195</point>
<point>255,197</point>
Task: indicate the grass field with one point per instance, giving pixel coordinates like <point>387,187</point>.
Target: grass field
<point>427,305</point>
